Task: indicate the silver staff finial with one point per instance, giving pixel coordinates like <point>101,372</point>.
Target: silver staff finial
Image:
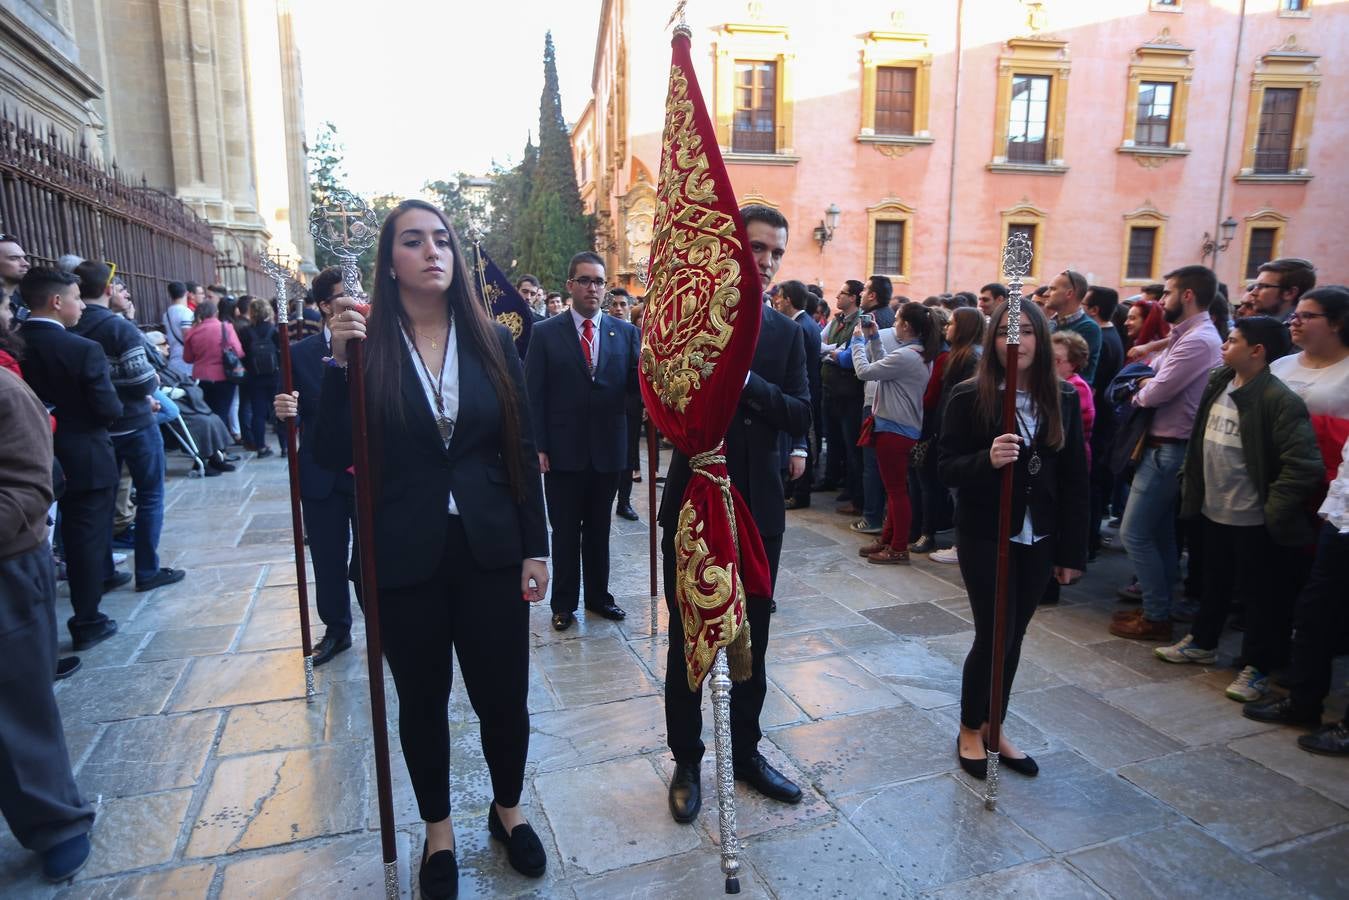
<point>1016,262</point>
<point>346,227</point>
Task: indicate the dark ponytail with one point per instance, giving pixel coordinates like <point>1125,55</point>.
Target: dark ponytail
<point>924,326</point>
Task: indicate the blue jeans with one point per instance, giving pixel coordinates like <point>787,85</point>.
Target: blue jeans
<point>1149,527</point>
<point>168,410</point>
<point>143,454</point>
<point>256,398</point>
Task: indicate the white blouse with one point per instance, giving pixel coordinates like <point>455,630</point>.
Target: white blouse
<point>449,385</point>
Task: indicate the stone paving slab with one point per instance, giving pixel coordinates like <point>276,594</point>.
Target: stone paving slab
<point>1235,799</point>
<point>934,831</point>
<point>1044,880</point>
<point>183,883</point>
<point>150,754</point>
<point>589,805</point>
<point>1315,864</point>
<point>346,867</point>
<point>1177,861</point>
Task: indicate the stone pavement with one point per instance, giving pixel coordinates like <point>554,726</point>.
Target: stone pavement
<point>214,777</point>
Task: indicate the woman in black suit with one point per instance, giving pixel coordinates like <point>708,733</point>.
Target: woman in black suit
<point>460,535</point>
<point>1049,509</point>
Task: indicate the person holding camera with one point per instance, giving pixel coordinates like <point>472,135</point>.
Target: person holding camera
<point>896,419</point>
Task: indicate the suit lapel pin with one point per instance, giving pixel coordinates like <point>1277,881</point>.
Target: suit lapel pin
<point>611,334</point>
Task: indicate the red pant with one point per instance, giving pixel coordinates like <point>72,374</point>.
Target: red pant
<point>892,456</point>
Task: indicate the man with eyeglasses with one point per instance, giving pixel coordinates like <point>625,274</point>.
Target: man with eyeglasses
<point>581,370</point>
<point>1279,285</point>
<point>13,266</point>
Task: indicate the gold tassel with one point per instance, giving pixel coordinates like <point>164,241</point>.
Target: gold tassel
<point>739,656</point>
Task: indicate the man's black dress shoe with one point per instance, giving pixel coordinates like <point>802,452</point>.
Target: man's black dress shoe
<point>67,666</point>
<point>686,793</point>
<point>758,774</point>
<point>331,645</point>
<point>439,876</point>
<point>563,620</point>
<point>523,848</point>
<point>975,768</point>
<point>96,636</point>
<point>161,578</point>
<point>115,581</point>
<point>1328,740</point>
<point>609,610</point>
<point>625,511</point>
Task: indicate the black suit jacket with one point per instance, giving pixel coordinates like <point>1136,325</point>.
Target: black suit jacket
<point>580,422</point>
<point>1056,496</point>
<point>306,366</point>
<point>414,473</point>
<point>70,374</point>
<point>775,399</point>
<point>810,333</point>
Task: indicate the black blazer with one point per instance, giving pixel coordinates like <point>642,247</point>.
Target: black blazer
<point>70,373</point>
<point>1056,497</point>
<point>414,473</point>
<point>580,422</point>
<point>306,367</point>
<point>775,399</point>
<point>814,341</point>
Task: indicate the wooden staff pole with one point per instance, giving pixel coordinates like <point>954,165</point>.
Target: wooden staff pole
<point>1016,263</point>
<point>293,473</point>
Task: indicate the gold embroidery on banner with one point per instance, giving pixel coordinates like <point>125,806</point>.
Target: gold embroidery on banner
<point>695,280</point>
<point>514,324</point>
<point>702,585</point>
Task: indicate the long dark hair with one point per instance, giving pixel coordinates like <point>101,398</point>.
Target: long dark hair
<point>1041,381</point>
<point>389,320</point>
<point>965,343</point>
<point>924,326</point>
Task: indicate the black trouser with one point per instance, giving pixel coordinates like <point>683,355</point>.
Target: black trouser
<point>580,508</point>
<point>929,498</point>
<point>218,395</point>
<point>634,459</point>
<point>850,416</point>
<point>38,796</point>
<point>1244,563</point>
<point>1320,621</point>
<point>684,708</point>
<point>329,524</point>
<point>480,613</point>
<point>1029,566</point>
<point>86,534</point>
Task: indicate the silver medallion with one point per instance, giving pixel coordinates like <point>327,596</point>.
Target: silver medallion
<point>1033,464</point>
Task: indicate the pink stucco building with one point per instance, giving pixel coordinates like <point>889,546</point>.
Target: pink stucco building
<point>1117,133</point>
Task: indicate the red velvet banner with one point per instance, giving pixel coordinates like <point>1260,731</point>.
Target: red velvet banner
<point>699,333</point>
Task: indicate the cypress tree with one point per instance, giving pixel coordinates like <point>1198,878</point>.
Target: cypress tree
<point>554,226</point>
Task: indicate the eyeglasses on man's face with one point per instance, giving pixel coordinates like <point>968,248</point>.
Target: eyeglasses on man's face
<point>1305,316</point>
<point>588,282</point>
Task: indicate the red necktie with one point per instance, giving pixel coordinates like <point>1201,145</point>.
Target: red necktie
<point>587,338</point>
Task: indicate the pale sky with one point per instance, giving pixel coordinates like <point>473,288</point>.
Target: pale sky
<point>420,89</point>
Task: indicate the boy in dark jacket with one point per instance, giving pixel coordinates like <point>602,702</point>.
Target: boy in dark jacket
<point>1251,466</point>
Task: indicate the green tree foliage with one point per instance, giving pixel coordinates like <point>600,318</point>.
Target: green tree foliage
<point>509,196</point>
<point>553,225</point>
<point>326,174</point>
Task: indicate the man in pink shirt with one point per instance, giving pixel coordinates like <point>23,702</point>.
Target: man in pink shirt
<point>1148,529</point>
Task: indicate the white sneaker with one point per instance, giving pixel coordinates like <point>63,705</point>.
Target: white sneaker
<point>1250,685</point>
<point>1185,651</point>
<point>118,558</point>
<point>947,556</point>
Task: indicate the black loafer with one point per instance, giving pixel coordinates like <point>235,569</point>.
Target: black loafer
<point>1026,765</point>
<point>758,774</point>
<point>625,511</point>
<point>1282,711</point>
<point>975,768</point>
<point>686,793</point>
<point>524,850</point>
<point>609,610</point>
<point>67,666</point>
<point>439,876</point>
<point>563,621</point>
<point>330,646</point>
<point>116,581</point>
